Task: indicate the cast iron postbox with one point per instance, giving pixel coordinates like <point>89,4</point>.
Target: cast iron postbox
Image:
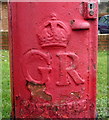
<point>53,48</point>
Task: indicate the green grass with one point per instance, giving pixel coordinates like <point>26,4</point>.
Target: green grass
<point>6,106</point>
<point>101,84</point>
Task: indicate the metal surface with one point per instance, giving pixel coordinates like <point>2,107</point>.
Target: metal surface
<point>53,50</point>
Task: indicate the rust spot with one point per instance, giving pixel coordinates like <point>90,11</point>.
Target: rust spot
<point>88,68</point>
<point>76,94</point>
<point>55,108</point>
<point>17,97</point>
<point>73,66</point>
<point>38,91</point>
<point>94,65</point>
<point>72,21</point>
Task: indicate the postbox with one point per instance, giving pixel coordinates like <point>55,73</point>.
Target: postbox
<point>53,49</point>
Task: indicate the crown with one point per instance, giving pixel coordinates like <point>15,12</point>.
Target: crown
<point>53,33</point>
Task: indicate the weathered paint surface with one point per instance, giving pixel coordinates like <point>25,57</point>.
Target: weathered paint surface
<point>53,50</point>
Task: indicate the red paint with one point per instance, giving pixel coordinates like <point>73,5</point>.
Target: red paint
<point>53,56</point>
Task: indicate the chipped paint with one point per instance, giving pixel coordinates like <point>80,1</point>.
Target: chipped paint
<point>38,92</point>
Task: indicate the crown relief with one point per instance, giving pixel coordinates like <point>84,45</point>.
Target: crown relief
<point>53,33</point>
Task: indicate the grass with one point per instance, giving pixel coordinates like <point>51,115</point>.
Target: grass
<point>101,84</point>
<point>6,106</point>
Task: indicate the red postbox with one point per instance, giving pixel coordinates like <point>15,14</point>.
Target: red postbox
<point>53,48</point>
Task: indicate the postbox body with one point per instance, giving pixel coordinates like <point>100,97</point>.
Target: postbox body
<point>53,48</point>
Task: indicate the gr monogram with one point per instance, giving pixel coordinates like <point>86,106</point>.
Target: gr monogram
<point>66,65</point>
